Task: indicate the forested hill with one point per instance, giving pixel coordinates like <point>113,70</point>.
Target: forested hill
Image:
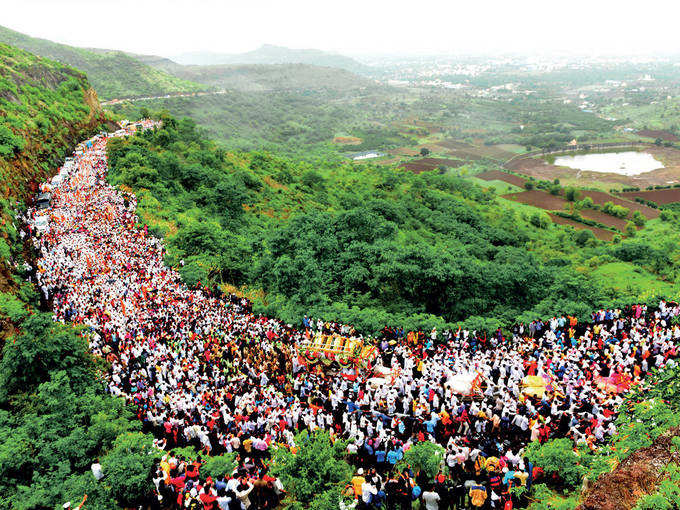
<point>45,109</point>
<point>113,74</point>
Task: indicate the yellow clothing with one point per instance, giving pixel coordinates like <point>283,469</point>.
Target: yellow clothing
<point>357,482</point>
<point>477,495</point>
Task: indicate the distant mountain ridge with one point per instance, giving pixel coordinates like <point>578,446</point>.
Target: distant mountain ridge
<point>271,54</point>
<point>113,74</point>
<point>266,77</point>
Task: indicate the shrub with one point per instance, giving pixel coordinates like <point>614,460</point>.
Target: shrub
<point>424,456</point>
<point>558,459</point>
<point>583,236</point>
<point>316,474</point>
<point>638,219</point>
<point>571,193</point>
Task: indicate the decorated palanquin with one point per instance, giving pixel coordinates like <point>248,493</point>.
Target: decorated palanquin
<point>346,351</point>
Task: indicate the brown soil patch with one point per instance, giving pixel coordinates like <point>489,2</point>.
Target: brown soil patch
<point>604,218</point>
<point>539,198</point>
<point>664,135</point>
<point>425,164</point>
<point>497,175</point>
<point>347,140</point>
<point>600,233</point>
<point>453,145</point>
<point>660,196</point>
<point>403,151</point>
<point>600,197</point>
<point>637,476</point>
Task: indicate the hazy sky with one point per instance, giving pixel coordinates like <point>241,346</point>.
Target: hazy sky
<point>170,27</point>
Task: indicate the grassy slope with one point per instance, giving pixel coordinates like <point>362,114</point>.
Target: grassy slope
<point>113,74</point>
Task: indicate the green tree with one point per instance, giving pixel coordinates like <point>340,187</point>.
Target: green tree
<point>558,459</point>
<point>314,476</point>
<point>584,236</point>
<point>129,468</point>
<point>41,348</point>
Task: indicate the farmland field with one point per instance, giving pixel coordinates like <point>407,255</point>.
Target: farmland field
<point>604,218</point>
<point>664,135</point>
<point>600,233</point>
<point>497,175</point>
<point>425,164</point>
<point>600,198</point>
<point>539,198</point>
<point>660,196</point>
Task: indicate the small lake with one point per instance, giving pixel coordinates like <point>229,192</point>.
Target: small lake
<point>624,163</point>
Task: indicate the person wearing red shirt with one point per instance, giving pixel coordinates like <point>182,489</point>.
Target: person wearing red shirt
<point>207,497</point>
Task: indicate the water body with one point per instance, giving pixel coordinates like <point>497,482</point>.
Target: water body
<point>624,163</point>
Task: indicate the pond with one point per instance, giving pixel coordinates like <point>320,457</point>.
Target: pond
<point>624,163</point>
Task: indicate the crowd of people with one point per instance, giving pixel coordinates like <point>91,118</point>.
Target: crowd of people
<point>202,370</point>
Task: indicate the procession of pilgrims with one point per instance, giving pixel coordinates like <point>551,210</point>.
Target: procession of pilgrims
<point>202,370</point>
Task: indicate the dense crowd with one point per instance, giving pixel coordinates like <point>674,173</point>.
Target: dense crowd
<point>201,369</point>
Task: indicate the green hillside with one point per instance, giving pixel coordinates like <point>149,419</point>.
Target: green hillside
<point>45,108</point>
<point>367,245</point>
<point>113,74</point>
<point>297,122</point>
<point>268,77</point>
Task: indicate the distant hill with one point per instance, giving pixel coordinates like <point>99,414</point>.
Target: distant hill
<point>260,77</point>
<point>113,74</point>
<point>270,54</point>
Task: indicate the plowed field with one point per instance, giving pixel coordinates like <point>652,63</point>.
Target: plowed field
<point>660,196</point>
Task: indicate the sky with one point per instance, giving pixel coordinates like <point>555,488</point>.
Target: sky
<point>354,27</point>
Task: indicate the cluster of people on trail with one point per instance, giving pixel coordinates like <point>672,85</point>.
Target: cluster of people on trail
<point>202,370</point>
